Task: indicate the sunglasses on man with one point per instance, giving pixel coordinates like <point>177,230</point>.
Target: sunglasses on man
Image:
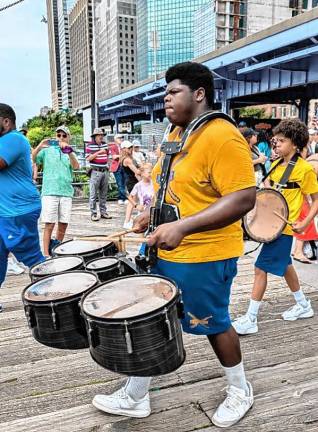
<point>61,135</point>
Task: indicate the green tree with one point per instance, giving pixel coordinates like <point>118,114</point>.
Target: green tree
<point>37,134</point>
<point>41,127</point>
<point>254,112</point>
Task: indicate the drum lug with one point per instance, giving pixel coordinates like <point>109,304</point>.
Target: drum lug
<point>120,268</point>
<point>30,317</point>
<point>54,319</point>
<point>180,309</point>
<point>128,339</point>
<point>91,335</point>
<point>167,321</point>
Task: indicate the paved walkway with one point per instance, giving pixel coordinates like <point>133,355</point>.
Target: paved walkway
<point>50,390</point>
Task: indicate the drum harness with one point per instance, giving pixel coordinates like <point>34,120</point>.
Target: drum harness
<point>282,184</point>
<point>162,212</point>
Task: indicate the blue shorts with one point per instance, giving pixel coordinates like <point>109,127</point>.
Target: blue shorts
<point>206,289</point>
<point>20,236</point>
<point>274,257</point>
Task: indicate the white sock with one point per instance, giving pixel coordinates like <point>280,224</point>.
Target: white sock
<point>253,308</point>
<point>137,387</point>
<point>300,297</point>
<point>236,376</point>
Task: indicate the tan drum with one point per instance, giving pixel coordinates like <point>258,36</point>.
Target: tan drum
<point>51,306</point>
<point>261,224</point>
<point>133,325</point>
<point>87,249</point>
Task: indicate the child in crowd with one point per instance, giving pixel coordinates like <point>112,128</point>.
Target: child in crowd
<point>258,158</point>
<point>141,195</point>
<point>291,137</point>
<point>138,156</point>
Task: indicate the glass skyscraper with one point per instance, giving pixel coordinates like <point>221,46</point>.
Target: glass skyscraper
<point>165,34</point>
<point>204,29</point>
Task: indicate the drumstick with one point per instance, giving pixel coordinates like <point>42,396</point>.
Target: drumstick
<point>121,233</point>
<point>101,237</point>
<point>282,218</point>
<point>109,238</point>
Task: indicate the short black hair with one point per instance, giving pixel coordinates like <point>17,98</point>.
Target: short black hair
<point>295,130</point>
<point>193,75</point>
<point>247,133</point>
<point>7,112</point>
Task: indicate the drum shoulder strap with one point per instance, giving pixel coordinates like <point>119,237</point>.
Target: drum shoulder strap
<point>170,148</point>
<point>287,173</point>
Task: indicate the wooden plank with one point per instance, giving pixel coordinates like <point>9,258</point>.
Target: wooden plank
<point>271,385</point>
<point>48,389</point>
<point>87,419</point>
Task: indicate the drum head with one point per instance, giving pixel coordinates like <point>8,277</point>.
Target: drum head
<point>77,247</point>
<point>102,263</point>
<point>129,297</point>
<point>261,223</point>
<point>56,265</point>
<point>61,286</point>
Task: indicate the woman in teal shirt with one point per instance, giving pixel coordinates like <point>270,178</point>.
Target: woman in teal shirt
<point>264,147</point>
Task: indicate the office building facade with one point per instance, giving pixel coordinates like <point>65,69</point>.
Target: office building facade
<point>115,46</point>
<point>59,53</point>
<point>165,33</point>
<point>81,53</point>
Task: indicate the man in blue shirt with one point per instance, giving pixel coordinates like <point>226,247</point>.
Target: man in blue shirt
<point>20,203</point>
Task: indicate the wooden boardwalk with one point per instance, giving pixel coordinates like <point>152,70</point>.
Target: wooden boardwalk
<point>50,390</point>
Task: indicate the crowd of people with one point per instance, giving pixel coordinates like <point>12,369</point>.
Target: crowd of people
<point>212,182</point>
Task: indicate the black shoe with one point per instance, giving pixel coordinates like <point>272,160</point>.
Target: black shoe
<point>1,308</point>
<point>105,216</point>
<point>53,243</point>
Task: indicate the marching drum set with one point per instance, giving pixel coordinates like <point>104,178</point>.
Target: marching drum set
<point>89,295</point>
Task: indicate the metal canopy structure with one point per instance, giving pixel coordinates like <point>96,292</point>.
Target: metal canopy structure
<point>276,65</point>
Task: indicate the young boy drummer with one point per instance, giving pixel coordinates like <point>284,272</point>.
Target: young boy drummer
<point>291,137</point>
<point>213,184</point>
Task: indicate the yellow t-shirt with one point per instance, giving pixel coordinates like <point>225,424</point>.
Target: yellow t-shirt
<point>214,162</point>
<point>304,175</point>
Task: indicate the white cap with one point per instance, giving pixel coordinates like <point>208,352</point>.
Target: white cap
<point>126,144</point>
<point>312,131</point>
<point>136,143</point>
<point>119,136</point>
<point>63,129</point>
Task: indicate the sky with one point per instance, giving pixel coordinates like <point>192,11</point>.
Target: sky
<point>24,58</point>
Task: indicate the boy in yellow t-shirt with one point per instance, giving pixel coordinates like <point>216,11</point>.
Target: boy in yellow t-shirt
<point>292,136</point>
<point>212,183</point>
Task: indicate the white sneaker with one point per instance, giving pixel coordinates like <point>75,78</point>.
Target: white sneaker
<point>121,202</point>
<point>128,225</point>
<point>121,403</point>
<point>298,311</point>
<point>245,325</point>
<point>13,267</point>
<point>234,407</point>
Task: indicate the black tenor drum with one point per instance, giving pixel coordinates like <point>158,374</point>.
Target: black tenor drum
<point>52,309</point>
<point>109,268</point>
<point>54,266</point>
<point>87,249</point>
<point>262,224</point>
<point>133,325</point>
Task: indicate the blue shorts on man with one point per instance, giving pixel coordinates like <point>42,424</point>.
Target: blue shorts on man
<point>206,289</point>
